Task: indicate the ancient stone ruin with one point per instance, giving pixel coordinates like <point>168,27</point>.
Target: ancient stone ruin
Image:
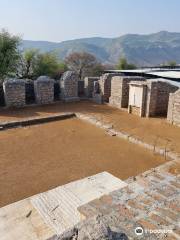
<point>44,90</point>
<point>97,95</point>
<point>174,108</point>
<point>105,85</point>
<point>69,86</point>
<point>150,98</point>
<point>120,90</point>
<point>14,92</point>
<point>89,86</point>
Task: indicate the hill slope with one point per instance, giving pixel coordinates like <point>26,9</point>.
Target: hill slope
<point>149,49</point>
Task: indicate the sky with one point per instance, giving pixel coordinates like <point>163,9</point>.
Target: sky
<point>60,20</point>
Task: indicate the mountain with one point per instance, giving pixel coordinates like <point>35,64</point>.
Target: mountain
<point>151,49</point>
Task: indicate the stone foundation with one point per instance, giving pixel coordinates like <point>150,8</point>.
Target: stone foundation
<point>105,85</point>
<point>174,108</point>
<point>14,93</point>
<point>89,85</point>
<point>69,86</point>
<point>151,97</point>
<point>44,90</point>
<point>120,90</point>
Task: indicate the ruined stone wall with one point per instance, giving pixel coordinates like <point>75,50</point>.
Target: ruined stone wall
<point>173,115</point>
<point>158,97</point>
<point>89,85</point>
<point>120,90</point>
<point>105,85</point>
<point>14,92</point>
<point>44,90</point>
<point>69,86</point>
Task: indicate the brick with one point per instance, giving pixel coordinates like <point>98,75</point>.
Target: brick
<point>166,191</point>
<point>168,213</point>
<point>176,184</point>
<point>87,211</point>
<point>158,176</point>
<point>147,225</point>
<point>106,199</point>
<point>156,196</point>
<point>174,205</point>
<point>144,199</point>
<point>136,205</point>
<point>159,220</point>
<point>123,210</point>
<point>170,237</point>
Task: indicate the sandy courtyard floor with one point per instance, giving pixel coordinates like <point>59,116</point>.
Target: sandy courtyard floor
<point>41,157</point>
<point>152,130</point>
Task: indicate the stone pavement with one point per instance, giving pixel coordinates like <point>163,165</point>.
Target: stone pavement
<point>150,201</point>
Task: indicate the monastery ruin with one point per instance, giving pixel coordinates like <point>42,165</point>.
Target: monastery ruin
<point>94,159</point>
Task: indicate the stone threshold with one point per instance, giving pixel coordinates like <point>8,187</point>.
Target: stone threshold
<point>35,121</point>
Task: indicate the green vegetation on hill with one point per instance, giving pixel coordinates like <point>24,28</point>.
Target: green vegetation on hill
<point>140,50</point>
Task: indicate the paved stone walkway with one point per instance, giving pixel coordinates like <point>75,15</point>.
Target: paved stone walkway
<point>150,201</point>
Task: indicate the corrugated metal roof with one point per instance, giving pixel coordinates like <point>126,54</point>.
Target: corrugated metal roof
<point>166,74</point>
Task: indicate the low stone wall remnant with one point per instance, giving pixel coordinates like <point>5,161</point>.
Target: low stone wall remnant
<point>89,86</point>
<point>120,90</point>
<point>69,86</point>
<point>44,90</point>
<point>174,108</point>
<point>105,85</point>
<point>150,98</point>
<point>14,92</point>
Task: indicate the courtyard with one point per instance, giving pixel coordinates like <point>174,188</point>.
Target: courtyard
<point>37,158</point>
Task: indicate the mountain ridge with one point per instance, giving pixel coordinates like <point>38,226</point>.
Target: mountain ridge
<point>140,49</point>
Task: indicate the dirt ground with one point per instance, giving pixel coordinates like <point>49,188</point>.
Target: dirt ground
<point>152,130</point>
<point>37,158</point>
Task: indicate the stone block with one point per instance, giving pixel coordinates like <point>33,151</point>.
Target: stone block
<point>44,90</point>
<point>14,92</point>
<point>69,86</point>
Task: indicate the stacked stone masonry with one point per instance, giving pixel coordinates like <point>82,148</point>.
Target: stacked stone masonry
<point>150,201</point>
<point>105,85</point>
<point>174,108</point>
<point>150,98</point>
<point>14,92</point>
<point>44,90</point>
<point>89,85</point>
<point>69,86</point>
<point>120,90</point>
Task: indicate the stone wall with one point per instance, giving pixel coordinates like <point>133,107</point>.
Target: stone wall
<point>137,98</point>
<point>158,97</point>
<point>174,108</point>
<point>69,86</point>
<point>152,97</point>
<point>105,85</point>
<point>44,90</point>
<point>89,86</point>
<point>120,90</point>
<point>14,92</point>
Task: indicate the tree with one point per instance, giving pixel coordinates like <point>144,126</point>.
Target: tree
<point>48,64</point>
<point>82,62</point>
<point>9,53</point>
<point>172,63</point>
<point>124,65</point>
<point>27,64</point>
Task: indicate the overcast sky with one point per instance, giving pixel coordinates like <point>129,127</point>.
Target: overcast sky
<point>58,20</point>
